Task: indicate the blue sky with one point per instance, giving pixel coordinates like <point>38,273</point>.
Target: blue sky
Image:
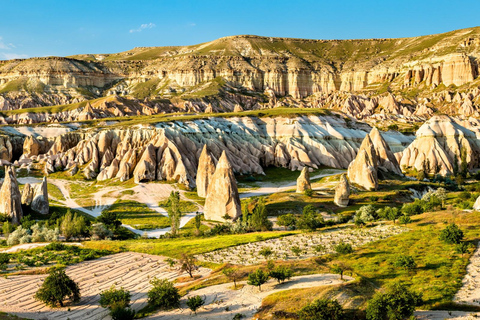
<point>61,28</point>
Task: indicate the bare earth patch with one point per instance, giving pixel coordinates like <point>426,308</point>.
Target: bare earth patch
<point>309,245</point>
<point>130,270</point>
<point>222,302</point>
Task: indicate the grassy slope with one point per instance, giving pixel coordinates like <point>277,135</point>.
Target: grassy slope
<point>138,215</point>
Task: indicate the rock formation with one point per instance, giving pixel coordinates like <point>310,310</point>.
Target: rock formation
<point>438,145</point>
<point>363,170</point>
<point>386,158</point>
<point>476,205</point>
<point>10,197</point>
<point>147,165</point>
<point>303,181</point>
<point>222,198</point>
<point>342,192</point>
<point>27,194</point>
<point>40,201</point>
<point>206,169</point>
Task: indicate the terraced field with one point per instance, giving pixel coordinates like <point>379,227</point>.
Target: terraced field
<point>133,271</point>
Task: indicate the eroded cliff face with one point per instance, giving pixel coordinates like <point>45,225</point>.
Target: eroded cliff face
<point>288,67</point>
<point>171,150</point>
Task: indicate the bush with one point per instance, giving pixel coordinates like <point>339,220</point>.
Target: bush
<point>56,288</point>
<point>396,304</point>
<point>257,278</point>
<point>4,258</point>
<point>55,246</point>
<point>100,232</point>
<point>118,312</point>
<point>115,297</point>
<point>404,220</point>
<point>405,262</point>
<point>365,214</point>
<point>321,309</point>
<point>163,295</point>
<point>44,234</point>
<point>19,236</point>
<point>451,234</point>
<point>266,252</point>
<point>287,221</point>
<point>344,248</point>
<point>414,208</point>
<point>194,303</point>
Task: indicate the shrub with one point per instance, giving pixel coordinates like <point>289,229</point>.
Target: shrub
<point>44,234</point>
<point>308,192</point>
<point>257,278</point>
<point>4,258</point>
<point>281,273</point>
<point>194,303</point>
<point>56,288</point>
<point>321,309</point>
<point>414,208</point>
<point>19,236</point>
<point>163,295</point>
<point>118,312</point>
<point>55,246</point>
<point>287,221</point>
<point>7,228</point>
<point>365,214</point>
<point>344,248</point>
<point>118,297</point>
<point>266,252</point>
<point>404,220</point>
<point>451,234</point>
<point>396,304</point>
<point>188,265</point>
<point>405,262</point>
<point>100,232</point>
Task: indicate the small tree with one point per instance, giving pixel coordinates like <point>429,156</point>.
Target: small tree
<point>451,234</point>
<point>257,278</point>
<point>365,214</point>
<point>321,309</point>
<point>56,288</point>
<point>174,211</point>
<point>340,268</point>
<point>281,273</point>
<point>122,313</point>
<point>461,248</point>
<point>405,262</point>
<point>404,220</point>
<point>396,304</point>
<point>198,223</point>
<point>287,221</point>
<point>259,219</point>
<point>7,228</point>
<point>187,263</point>
<point>232,274</point>
<point>194,303</point>
<point>163,294</point>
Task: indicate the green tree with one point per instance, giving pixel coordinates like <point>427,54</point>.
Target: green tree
<point>404,220</point>
<point>173,208</point>
<point>194,303</point>
<point>56,288</point>
<point>287,221</point>
<point>110,220</point>
<point>198,223</point>
<point>365,214</point>
<point>188,264</point>
<point>163,294</point>
<point>309,221</point>
<point>117,312</point>
<point>340,268</point>
<point>232,274</point>
<point>281,273</point>
<point>397,303</point>
<point>414,208</point>
<point>257,278</point>
<point>452,234</point>
<point>321,309</point>
<point>259,219</point>
<point>7,228</point>
<point>461,248</point>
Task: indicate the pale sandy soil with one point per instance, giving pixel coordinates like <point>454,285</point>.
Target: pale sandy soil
<point>281,248</point>
<point>133,271</point>
<point>27,246</point>
<point>469,293</point>
<point>48,131</point>
<point>246,300</point>
<point>268,187</point>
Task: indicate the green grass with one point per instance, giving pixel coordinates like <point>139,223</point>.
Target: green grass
<point>184,206</point>
<point>175,247</point>
<point>146,89</point>
<point>138,215</point>
<point>55,192</point>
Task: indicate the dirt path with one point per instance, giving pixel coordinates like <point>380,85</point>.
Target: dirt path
<point>247,300</point>
<point>130,270</point>
<point>442,315</point>
<point>469,293</point>
<point>27,246</point>
<point>269,188</point>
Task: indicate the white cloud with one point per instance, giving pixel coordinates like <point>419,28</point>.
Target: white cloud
<point>143,27</point>
<point>6,53</point>
<point>5,46</point>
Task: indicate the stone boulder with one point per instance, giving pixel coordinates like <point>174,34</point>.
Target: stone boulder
<point>363,169</point>
<point>206,169</point>
<point>303,181</point>
<point>386,158</point>
<point>40,202</point>
<point>342,192</point>
<point>27,194</point>
<point>10,197</point>
<point>31,146</point>
<point>222,197</point>
<point>476,205</point>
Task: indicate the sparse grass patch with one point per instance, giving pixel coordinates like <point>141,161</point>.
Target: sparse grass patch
<point>138,215</point>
